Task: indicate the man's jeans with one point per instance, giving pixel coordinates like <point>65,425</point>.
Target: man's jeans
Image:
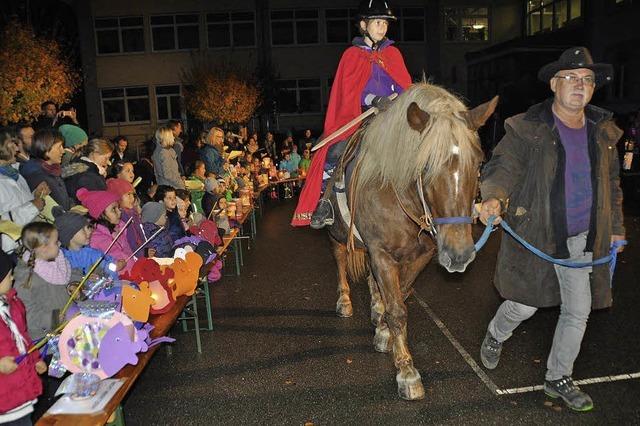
<point>575,292</point>
<point>333,156</point>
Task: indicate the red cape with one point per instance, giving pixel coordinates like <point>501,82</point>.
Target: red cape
<point>351,78</point>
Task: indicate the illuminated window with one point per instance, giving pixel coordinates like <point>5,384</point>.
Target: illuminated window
<point>467,24</point>
<point>550,15</point>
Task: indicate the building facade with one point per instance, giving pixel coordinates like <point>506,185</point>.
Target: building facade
<point>135,52</point>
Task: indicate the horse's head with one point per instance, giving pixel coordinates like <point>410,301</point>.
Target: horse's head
<point>450,177</point>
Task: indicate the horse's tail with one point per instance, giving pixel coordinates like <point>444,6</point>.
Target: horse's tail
<point>357,264</point>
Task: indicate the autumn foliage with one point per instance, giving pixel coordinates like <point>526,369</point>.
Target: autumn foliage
<point>32,70</point>
<point>220,93</point>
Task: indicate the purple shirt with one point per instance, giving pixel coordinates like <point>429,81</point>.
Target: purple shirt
<point>577,177</point>
<point>380,83</point>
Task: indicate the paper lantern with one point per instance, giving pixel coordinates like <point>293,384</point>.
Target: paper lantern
<point>162,297</point>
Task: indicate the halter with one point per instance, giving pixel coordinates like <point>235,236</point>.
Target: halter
<point>426,222</point>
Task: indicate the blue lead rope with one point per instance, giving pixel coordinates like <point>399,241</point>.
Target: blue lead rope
<point>611,258</point>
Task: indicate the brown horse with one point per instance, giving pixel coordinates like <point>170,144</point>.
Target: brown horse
<point>418,161</point>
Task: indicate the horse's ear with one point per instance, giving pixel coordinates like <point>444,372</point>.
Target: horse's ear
<point>417,118</point>
<point>476,117</point>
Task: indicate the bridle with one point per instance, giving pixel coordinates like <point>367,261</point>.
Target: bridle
<point>427,222</point>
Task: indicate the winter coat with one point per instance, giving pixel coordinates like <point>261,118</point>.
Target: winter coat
<point>135,238</point>
<point>166,167</point>
<point>83,174</point>
<point>174,225</point>
<point>15,205</point>
<point>101,239</point>
<point>162,243</point>
<point>23,385</point>
<point>84,259</point>
<point>42,300</point>
<point>34,174</point>
<point>526,172</point>
<point>208,201</point>
<point>144,169</point>
<point>212,159</point>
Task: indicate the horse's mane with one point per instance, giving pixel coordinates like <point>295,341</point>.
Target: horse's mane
<point>395,154</point>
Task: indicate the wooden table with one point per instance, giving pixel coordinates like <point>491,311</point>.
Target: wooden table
<point>162,324</point>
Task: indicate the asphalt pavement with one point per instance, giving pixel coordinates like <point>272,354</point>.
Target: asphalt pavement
<point>278,354</point>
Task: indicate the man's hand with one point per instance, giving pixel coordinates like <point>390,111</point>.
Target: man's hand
<point>490,207</point>
<point>8,365</point>
<point>120,265</point>
<point>41,367</point>
<point>618,238</point>
<point>42,190</point>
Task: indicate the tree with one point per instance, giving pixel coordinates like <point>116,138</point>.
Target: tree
<point>33,70</point>
<point>220,93</point>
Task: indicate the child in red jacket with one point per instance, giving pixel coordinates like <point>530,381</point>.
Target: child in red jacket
<point>19,383</point>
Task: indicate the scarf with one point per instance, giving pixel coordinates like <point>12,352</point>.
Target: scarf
<point>52,169</point>
<point>5,314</point>
<point>56,272</point>
<point>9,171</point>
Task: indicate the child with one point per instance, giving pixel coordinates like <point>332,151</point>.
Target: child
<point>167,196</point>
<point>19,383</point>
<point>129,208</point>
<point>103,208</point>
<point>74,233</point>
<point>287,164</point>
<point>41,277</point>
<point>123,170</point>
<point>154,215</point>
<point>305,162</point>
<point>183,199</point>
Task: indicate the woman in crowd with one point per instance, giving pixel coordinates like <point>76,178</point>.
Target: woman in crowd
<point>165,161</point>
<point>44,166</point>
<point>90,171</point>
<point>17,203</point>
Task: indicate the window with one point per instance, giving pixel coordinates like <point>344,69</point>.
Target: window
<point>299,96</point>
<point>125,105</point>
<point>237,29</point>
<point>179,32</point>
<point>409,26</point>
<point>550,15</point>
<point>119,35</point>
<point>340,25</point>
<point>294,27</point>
<point>466,24</point>
<point>168,102</point>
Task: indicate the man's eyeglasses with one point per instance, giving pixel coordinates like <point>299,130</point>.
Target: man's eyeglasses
<point>587,80</point>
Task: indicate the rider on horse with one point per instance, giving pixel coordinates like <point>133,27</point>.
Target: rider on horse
<point>369,71</point>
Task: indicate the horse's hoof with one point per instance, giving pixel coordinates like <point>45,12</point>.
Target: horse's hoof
<point>344,308</point>
<point>410,386</point>
<point>382,341</point>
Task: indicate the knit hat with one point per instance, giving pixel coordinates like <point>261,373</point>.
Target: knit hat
<point>73,135</point>
<point>119,186</point>
<point>96,201</point>
<point>152,211</point>
<point>68,225</point>
<point>6,265</point>
<point>210,184</point>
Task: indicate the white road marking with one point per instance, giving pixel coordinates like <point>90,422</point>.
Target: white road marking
<point>485,378</point>
<point>461,350</point>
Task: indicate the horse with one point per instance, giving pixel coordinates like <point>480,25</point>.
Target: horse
<point>416,170</point>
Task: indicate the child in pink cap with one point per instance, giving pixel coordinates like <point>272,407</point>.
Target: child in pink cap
<point>103,208</point>
<point>130,208</point>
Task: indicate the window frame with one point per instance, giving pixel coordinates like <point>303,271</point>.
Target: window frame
<point>294,21</point>
<point>230,22</point>
<point>539,8</point>
<point>350,23</point>
<point>119,28</point>
<point>401,24</point>
<point>167,98</point>
<point>460,17</point>
<point>125,98</point>
<point>175,26</point>
<point>297,92</point>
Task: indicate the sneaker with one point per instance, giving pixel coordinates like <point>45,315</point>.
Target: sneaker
<point>569,392</point>
<point>323,215</point>
<point>490,351</point>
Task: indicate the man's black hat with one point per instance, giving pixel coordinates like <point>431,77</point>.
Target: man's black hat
<point>375,9</point>
<point>575,58</point>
